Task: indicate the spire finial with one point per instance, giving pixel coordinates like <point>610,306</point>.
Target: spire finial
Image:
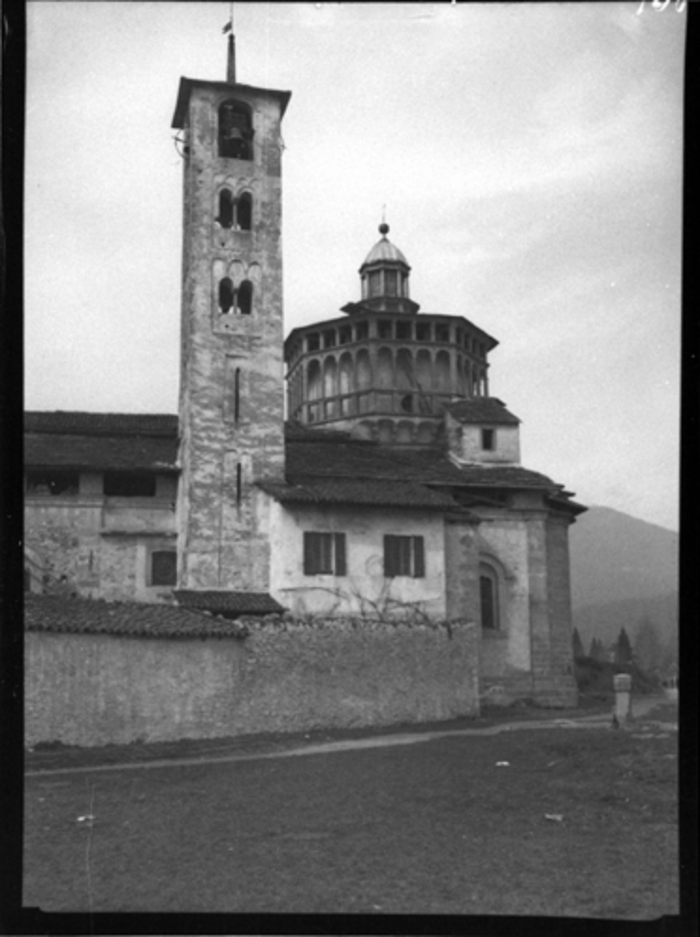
<point>383,227</point>
<point>231,60</point>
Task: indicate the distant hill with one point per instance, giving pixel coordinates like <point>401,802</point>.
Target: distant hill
<point>622,570</point>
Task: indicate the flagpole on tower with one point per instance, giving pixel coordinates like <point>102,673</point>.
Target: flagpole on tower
<point>231,61</point>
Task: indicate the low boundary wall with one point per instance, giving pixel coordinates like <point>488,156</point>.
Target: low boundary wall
<point>97,689</point>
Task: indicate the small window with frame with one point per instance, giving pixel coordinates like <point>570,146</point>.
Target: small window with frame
<point>163,568</point>
<point>404,556</point>
<point>488,440</point>
<point>324,554</point>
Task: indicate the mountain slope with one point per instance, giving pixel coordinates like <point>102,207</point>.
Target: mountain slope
<point>623,570</point>
<point>615,557</point>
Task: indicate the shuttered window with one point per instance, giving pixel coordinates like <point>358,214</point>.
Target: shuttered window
<point>404,556</point>
<point>163,568</point>
<point>324,554</point>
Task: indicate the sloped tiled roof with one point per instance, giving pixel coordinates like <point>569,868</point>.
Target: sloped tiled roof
<point>108,424</point>
<point>314,458</point>
<point>135,441</point>
<point>88,616</point>
<point>100,452</point>
<point>243,603</point>
<point>364,491</point>
<point>482,410</point>
<point>425,466</point>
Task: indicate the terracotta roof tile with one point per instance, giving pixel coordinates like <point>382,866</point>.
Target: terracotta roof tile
<point>109,424</point>
<point>366,491</point>
<point>482,410</point>
<point>95,616</point>
<point>100,451</point>
<point>243,603</point>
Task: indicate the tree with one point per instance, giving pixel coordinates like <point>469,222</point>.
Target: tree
<point>578,645</point>
<point>597,651</point>
<point>623,648</point>
<point>648,651</point>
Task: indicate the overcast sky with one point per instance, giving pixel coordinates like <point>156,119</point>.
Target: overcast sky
<point>529,157</point>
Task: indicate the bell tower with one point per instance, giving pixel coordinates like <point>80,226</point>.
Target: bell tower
<point>231,355</point>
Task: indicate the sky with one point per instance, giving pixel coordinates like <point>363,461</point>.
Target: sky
<point>528,156</point>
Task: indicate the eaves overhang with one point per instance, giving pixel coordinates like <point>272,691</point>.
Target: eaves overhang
<point>187,85</point>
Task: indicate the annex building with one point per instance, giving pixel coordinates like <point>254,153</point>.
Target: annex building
<point>386,486</point>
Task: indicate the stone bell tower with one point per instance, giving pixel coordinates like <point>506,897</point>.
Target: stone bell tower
<point>231,355</point>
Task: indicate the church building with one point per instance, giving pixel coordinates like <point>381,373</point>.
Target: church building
<point>385,482</point>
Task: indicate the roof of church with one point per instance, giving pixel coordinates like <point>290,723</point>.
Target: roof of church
<point>321,465</point>
<point>384,251</point>
<point>482,410</point>
<point>361,491</point>
<point>96,616</point>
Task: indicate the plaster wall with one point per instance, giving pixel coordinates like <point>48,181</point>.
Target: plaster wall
<point>365,590</point>
<point>466,444</point>
<point>504,539</point>
<point>87,690</point>
<point>98,547</point>
<point>64,534</point>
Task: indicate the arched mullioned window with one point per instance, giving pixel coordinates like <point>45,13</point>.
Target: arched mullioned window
<point>489,597</point>
<point>313,380</point>
<point>363,370</point>
<point>405,379</point>
<point>244,212</point>
<point>235,131</point>
<point>385,369</point>
<point>329,377</point>
<point>226,296</point>
<point>345,374</point>
<point>225,217</point>
<point>244,298</point>
<point>442,371</point>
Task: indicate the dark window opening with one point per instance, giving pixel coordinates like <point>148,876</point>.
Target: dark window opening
<point>244,298</point>
<point>52,483</point>
<point>423,333</point>
<point>489,602</point>
<point>129,484</point>
<point>442,333</point>
<point>488,439</point>
<point>407,403</point>
<point>404,556</point>
<point>324,554</point>
<point>384,328</point>
<point>244,212</point>
<point>344,335</point>
<point>225,218</point>
<point>329,339</point>
<point>225,296</point>
<point>235,131</point>
<point>361,331</point>
<point>403,330</point>
<point>164,568</point>
<point>313,342</point>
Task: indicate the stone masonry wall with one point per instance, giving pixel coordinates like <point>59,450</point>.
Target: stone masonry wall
<point>88,689</point>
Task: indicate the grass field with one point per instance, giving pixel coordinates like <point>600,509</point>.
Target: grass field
<point>578,822</point>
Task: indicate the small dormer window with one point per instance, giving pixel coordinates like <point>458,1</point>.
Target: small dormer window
<point>235,131</point>
<point>488,439</point>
